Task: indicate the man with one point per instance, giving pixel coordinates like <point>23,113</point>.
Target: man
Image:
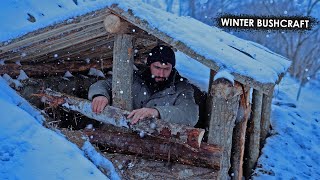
<point>158,91</point>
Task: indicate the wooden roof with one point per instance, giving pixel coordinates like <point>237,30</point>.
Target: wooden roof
<point>86,37</point>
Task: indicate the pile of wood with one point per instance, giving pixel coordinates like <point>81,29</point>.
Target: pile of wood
<point>157,138</point>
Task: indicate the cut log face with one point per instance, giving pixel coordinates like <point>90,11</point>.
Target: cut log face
<point>112,23</point>
<point>153,147</point>
<point>111,115</point>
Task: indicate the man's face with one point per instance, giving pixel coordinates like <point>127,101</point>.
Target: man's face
<point>160,71</point>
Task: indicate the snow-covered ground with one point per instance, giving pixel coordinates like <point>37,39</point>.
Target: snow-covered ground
<point>293,151</point>
<point>28,150</point>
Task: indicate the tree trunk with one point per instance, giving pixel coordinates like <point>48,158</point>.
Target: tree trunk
<point>153,147</point>
<point>117,117</point>
<point>122,76</point>
<point>225,102</point>
<point>238,138</point>
<point>253,135</point>
<point>265,118</point>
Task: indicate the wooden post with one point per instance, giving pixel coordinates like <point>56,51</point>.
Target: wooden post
<point>223,112</point>
<point>265,118</point>
<point>239,134</point>
<point>253,134</point>
<point>122,72</point>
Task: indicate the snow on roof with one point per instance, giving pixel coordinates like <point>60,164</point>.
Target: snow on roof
<point>218,48</point>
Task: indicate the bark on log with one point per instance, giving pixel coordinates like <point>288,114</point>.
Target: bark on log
<point>117,117</point>
<point>152,147</point>
<point>133,167</point>
<point>253,134</point>
<point>265,118</point>
<point>122,72</point>
<point>52,69</point>
<point>239,134</point>
<point>225,102</point>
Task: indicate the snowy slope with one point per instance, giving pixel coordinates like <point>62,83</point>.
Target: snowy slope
<point>30,151</point>
<point>293,151</point>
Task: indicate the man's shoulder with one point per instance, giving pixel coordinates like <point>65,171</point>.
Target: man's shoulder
<point>183,84</point>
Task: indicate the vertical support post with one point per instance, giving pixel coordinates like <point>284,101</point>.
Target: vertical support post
<point>265,118</point>
<point>122,73</point>
<point>239,135</point>
<point>253,133</point>
<point>223,112</point>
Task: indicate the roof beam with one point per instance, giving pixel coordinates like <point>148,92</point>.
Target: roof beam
<point>266,88</point>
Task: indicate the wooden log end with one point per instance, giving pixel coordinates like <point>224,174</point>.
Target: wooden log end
<point>112,23</point>
<point>195,137</point>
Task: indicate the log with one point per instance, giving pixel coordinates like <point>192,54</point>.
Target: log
<point>52,69</point>
<point>225,102</point>
<point>112,23</point>
<point>239,134</point>
<point>117,117</point>
<point>122,76</point>
<point>134,167</point>
<point>253,134</point>
<point>153,147</point>
<point>265,118</point>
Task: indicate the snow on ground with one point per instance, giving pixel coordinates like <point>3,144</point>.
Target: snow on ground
<point>293,151</point>
<point>30,151</point>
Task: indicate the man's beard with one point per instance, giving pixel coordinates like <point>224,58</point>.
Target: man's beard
<point>153,84</point>
<point>159,85</point>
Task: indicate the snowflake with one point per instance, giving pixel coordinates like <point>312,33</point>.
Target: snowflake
<point>55,55</point>
<point>121,92</point>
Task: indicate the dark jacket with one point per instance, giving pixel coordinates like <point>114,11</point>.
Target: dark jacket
<point>175,102</point>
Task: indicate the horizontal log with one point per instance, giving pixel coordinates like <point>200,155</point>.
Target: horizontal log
<point>52,69</point>
<point>152,147</point>
<point>133,167</point>
<point>111,115</point>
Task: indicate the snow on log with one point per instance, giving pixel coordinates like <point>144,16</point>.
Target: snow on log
<point>111,115</point>
<point>152,147</point>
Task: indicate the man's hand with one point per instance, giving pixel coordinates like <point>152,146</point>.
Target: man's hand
<point>99,103</point>
<point>142,113</point>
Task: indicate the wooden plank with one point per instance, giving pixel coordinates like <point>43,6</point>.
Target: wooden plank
<point>239,134</point>
<point>253,134</point>
<point>265,118</point>
<point>187,135</point>
<point>264,87</point>
<point>64,42</point>
<point>55,30</point>
<point>225,102</point>
<point>122,77</point>
<point>52,69</point>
